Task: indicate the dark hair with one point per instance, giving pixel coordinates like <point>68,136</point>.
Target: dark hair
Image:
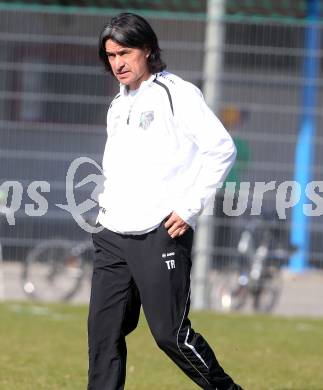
<point>131,30</point>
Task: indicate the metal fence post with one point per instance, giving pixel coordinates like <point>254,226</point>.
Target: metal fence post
<point>211,88</point>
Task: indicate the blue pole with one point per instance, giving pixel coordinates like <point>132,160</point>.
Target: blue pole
<point>304,156</point>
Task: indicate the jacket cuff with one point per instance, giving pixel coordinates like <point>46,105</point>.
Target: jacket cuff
<point>188,215</point>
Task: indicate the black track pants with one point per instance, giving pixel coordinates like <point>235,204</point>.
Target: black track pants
<point>152,270</point>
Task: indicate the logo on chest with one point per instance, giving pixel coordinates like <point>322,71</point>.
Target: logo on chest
<point>146,118</point>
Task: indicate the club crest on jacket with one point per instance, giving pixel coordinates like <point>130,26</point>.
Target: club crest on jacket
<point>146,119</point>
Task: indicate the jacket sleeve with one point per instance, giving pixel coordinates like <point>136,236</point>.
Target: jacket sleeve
<point>214,145</point>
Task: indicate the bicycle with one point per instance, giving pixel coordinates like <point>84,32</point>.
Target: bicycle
<point>263,249</point>
<point>55,269</point>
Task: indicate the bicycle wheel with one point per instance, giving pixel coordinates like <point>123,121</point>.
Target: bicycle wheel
<point>51,272</point>
<point>267,296</point>
<point>229,292</point>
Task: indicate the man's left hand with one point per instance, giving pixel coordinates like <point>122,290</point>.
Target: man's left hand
<point>175,225</point>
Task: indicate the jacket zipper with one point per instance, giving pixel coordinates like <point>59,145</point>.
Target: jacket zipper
<point>131,107</point>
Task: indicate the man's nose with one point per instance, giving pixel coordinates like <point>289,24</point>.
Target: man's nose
<point>119,63</point>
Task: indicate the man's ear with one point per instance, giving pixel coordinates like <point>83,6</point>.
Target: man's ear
<point>148,52</point>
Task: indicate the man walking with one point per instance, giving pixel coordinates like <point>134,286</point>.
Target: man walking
<point>165,155</point>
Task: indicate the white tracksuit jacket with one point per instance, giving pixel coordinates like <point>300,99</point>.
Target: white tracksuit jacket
<point>166,151</point>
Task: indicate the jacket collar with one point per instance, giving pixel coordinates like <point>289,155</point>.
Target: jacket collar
<point>143,85</point>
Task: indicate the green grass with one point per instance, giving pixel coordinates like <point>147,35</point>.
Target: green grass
<point>45,347</point>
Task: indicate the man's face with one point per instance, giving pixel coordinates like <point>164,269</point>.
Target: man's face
<point>129,65</point>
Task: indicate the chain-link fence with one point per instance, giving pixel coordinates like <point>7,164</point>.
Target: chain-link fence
<point>54,95</point>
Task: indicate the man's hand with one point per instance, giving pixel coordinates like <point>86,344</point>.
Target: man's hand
<point>175,225</point>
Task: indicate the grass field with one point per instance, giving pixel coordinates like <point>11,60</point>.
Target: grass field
<point>45,347</point>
